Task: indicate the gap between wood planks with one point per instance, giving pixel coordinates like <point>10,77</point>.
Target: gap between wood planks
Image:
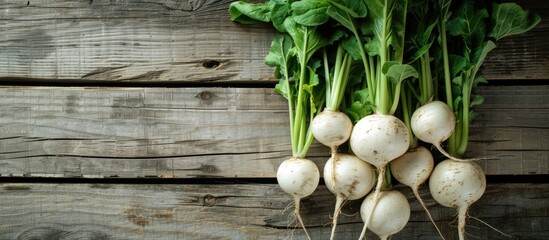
<point>10,81</point>
<point>491,179</point>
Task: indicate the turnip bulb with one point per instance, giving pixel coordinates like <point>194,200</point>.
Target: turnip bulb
<point>391,213</point>
<point>457,185</point>
<point>352,179</point>
<point>433,123</point>
<point>412,169</point>
<point>331,128</point>
<point>378,139</point>
<point>349,178</point>
<point>298,177</point>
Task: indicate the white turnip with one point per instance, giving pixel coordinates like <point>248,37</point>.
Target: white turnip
<point>412,169</point>
<point>388,216</point>
<point>331,128</point>
<point>298,177</point>
<point>433,123</point>
<point>349,178</point>
<point>378,139</point>
<point>457,185</point>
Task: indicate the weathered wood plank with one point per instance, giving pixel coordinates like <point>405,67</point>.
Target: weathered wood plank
<point>130,41</point>
<point>178,41</point>
<point>214,132</point>
<point>112,211</point>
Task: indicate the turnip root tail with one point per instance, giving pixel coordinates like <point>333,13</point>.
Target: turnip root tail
<point>337,210</point>
<point>334,162</point>
<point>493,228</point>
<point>441,150</point>
<point>380,177</point>
<point>462,214</point>
<point>416,193</point>
<point>298,216</point>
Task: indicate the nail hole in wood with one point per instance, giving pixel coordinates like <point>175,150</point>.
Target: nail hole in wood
<point>211,64</point>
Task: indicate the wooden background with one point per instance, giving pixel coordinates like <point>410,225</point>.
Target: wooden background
<point>157,120</point>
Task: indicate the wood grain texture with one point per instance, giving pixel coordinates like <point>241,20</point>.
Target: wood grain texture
<point>107,211</point>
<point>178,41</point>
<point>153,41</point>
<point>215,132</point>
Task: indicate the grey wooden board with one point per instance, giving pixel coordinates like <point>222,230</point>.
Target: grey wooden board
<point>249,211</point>
<point>178,41</point>
<point>215,132</point>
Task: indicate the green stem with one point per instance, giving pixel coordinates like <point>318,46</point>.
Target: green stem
<point>466,100</point>
<point>327,75</point>
<point>309,135</point>
<point>407,108</point>
<point>365,62</point>
<point>396,98</point>
<point>332,100</point>
<point>300,127</point>
<point>302,136</point>
<point>453,140</point>
<point>372,74</point>
<point>291,115</point>
<point>429,77</point>
<point>383,101</point>
<point>339,91</point>
<point>426,85</point>
<point>446,63</point>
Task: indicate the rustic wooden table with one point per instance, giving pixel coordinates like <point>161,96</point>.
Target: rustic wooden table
<point>157,120</point>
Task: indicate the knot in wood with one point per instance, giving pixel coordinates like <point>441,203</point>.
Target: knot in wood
<point>211,64</point>
<point>204,95</point>
<point>208,200</point>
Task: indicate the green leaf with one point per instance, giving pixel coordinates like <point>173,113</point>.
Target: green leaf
<point>421,24</point>
<point>341,17</point>
<point>283,88</point>
<point>373,47</point>
<point>356,9</point>
<point>457,105</point>
<point>398,18</point>
<point>351,46</point>
<point>335,35</point>
<point>314,88</point>
<point>458,64</point>
<point>481,52</point>
<point>361,107</point>
<point>280,55</point>
<point>420,52</point>
<point>356,74</point>
<point>388,65</point>
<point>469,23</point>
<point>511,19</point>
<point>444,7</point>
<point>306,39</point>
<point>248,13</point>
<point>281,10</point>
<point>399,72</point>
<point>310,12</point>
<point>459,82</point>
<point>472,116</point>
<point>477,100</point>
<point>479,79</point>
<point>345,11</point>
